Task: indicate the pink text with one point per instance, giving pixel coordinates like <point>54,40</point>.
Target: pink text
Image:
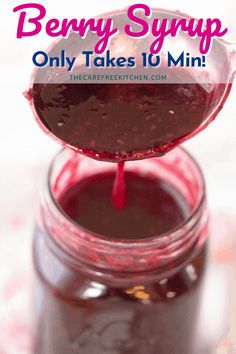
<point>141,24</point>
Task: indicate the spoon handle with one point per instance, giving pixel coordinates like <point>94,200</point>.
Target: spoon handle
<point>232,55</point>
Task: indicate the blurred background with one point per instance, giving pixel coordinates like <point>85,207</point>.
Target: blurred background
<point>25,153</point>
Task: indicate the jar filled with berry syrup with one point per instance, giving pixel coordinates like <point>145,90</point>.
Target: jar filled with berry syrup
<point>120,281</point>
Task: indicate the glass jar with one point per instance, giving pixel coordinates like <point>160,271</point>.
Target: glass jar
<point>96,295</point>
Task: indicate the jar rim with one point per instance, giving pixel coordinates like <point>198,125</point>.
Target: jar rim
<point>130,243</point>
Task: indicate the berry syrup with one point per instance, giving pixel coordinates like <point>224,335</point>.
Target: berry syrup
<point>152,206</point>
<point>125,121</point>
<point>120,252</point>
<point>117,122</point>
<point>108,280</point>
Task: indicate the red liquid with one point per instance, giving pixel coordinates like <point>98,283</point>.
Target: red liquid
<point>152,207</point>
<point>99,299</point>
<point>119,192</point>
<point>116,122</point>
<point>80,313</point>
<point>152,318</point>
